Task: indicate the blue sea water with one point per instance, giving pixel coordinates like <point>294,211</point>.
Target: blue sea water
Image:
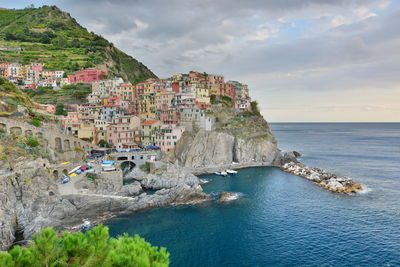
<point>285,220</point>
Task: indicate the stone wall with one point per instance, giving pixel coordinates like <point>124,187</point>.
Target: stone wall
<point>56,139</point>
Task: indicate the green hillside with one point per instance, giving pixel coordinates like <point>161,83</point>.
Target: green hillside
<point>11,97</point>
<point>51,36</point>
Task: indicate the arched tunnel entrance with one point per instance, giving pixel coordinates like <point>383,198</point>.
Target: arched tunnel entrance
<point>127,167</point>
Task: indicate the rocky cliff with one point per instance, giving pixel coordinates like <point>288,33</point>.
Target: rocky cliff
<point>236,137</point>
<point>31,199</point>
<point>29,202</point>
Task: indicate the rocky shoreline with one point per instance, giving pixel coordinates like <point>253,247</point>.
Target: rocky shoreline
<point>32,200</point>
<point>327,180</point>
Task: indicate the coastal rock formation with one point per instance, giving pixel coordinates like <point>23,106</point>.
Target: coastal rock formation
<point>215,148</point>
<point>290,157</point>
<point>236,137</point>
<point>173,176</point>
<point>91,206</point>
<point>227,196</point>
<point>31,201</point>
<point>329,181</point>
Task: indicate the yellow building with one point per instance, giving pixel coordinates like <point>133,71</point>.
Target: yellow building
<point>150,128</point>
<point>148,106</point>
<point>202,94</point>
<point>86,131</point>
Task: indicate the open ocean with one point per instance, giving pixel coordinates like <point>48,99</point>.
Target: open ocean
<point>285,220</point>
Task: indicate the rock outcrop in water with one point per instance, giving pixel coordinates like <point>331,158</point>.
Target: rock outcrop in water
<point>227,196</point>
<point>329,181</point>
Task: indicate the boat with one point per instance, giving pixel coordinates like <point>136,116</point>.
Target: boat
<point>231,171</point>
<point>74,169</point>
<point>65,180</point>
<point>224,173</point>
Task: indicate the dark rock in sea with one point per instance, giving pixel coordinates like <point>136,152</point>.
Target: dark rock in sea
<point>227,196</point>
<point>290,157</point>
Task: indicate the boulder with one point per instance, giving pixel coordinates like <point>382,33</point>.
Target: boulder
<point>227,196</point>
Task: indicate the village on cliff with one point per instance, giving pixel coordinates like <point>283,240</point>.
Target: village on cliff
<point>123,116</point>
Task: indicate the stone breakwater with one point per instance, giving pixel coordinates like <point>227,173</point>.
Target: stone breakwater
<point>329,181</point>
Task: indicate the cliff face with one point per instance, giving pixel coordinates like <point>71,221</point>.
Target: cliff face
<point>29,202</point>
<point>30,199</point>
<point>236,138</point>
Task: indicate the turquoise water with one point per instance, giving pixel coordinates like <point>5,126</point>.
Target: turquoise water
<point>284,220</point>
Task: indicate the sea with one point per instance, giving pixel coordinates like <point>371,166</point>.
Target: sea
<point>284,220</point>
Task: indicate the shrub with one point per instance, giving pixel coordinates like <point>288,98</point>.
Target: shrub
<point>145,167</point>
<point>213,99</point>
<point>60,110</point>
<point>103,143</point>
<point>36,122</point>
<point>92,248</point>
<point>32,141</point>
<point>254,107</point>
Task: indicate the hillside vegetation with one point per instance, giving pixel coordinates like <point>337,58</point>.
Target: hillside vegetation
<point>53,37</point>
<point>11,96</point>
<point>68,94</point>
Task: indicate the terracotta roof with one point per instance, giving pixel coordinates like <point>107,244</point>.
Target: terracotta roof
<point>149,122</point>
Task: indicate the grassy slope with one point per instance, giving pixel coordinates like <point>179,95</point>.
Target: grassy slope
<point>11,96</point>
<point>51,36</point>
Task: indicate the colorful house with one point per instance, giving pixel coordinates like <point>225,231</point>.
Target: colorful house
<point>168,136</point>
<point>149,130</point>
<point>88,76</point>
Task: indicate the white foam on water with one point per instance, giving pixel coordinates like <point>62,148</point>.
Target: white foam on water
<point>364,190</point>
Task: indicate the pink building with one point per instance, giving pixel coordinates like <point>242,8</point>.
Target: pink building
<point>124,132</point>
<point>88,76</point>
<point>226,89</point>
<point>168,136</point>
<point>49,108</point>
<point>215,79</point>
<point>71,122</point>
<point>36,66</point>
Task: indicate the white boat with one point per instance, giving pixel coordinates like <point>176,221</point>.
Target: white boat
<point>74,169</point>
<point>231,171</point>
<point>223,173</point>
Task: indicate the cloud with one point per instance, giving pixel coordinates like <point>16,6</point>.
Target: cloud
<point>304,48</point>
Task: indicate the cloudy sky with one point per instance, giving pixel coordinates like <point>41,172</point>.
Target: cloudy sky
<point>304,60</point>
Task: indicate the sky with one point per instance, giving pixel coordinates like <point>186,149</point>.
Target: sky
<point>304,60</point>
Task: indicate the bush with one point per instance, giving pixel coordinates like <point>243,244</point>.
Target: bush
<point>145,167</point>
<point>60,110</point>
<point>213,99</point>
<point>93,248</point>
<point>103,143</point>
<point>254,107</point>
<point>32,141</point>
<point>36,122</point>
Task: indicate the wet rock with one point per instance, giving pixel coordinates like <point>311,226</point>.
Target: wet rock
<point>227,196</point>
<point>329,181</point>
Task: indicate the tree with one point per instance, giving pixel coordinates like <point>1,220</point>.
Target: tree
<point>103,143</point>
<point>93,248</point>
<point>60,110</point>
<point>254,107</point>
